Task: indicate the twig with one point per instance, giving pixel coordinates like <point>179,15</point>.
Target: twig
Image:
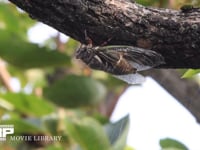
<point>5,76</point>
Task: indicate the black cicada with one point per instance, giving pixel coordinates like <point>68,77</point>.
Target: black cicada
<point>121,61</point>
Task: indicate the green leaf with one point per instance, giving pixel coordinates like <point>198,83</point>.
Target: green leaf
<point>27,104</point>
<point>22,126</point>
<point>36,77</point>
<point>26,55</point>
<point>171,149</point>
<point>88,133</point>
<point>147,2</point>
<point>54,147</point>
<point>129,148</point>
<point>117,133</point>
<point>51,123</point>
<point>75,91</point>
<point>18,73</point>
<point>169,143</point>
<point>100,118</point>
<point>190,73</point>
<point>14,21</point>
<point>7,17</point>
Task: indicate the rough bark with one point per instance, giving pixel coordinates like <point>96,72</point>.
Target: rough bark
<point>174,34</point>
<point>186,91</point>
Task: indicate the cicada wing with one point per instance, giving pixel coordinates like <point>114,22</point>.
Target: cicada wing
<point>108,57</point>
<point>141,59</point>
<point>131,78</point>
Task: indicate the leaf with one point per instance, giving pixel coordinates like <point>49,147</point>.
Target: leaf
<point>75,91</point>
<point>147,2</point>
<point>18,73</point>
<point>100,118</point>
<point>22,126</point>
<point>36,77</point>
<point>117,133</point>
<point>7,17</point>
<point>129,148</point>
<point>27,104</point>
<point>88,133</point>
<point>26,55</point>
<point>169,143</point>
<point>51,123</point>
<point>54,147</point>
<point>190,73</point>
<point>13,21</point>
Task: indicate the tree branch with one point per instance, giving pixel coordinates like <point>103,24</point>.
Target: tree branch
<point>174,34</point>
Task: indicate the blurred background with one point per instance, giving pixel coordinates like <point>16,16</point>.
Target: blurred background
<point>45,91</point>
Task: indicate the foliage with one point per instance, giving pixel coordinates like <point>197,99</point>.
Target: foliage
<point>117,133</point>
<point>26,104</point>
<point>64,95</point>
<point>21,51</point>
<point>190,73</point>
<point>171,144</point>
<point>68,103</point>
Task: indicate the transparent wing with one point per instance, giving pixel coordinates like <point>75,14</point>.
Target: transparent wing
<point>141,59</point>
<point>131,78</point>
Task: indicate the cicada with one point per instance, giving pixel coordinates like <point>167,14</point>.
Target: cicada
<point>121,61</point>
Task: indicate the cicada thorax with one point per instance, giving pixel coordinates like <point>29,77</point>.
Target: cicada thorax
<point>122,66</point>
<point>119,66</point>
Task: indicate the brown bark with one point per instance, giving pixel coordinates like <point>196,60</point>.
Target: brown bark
<point>174,34</point>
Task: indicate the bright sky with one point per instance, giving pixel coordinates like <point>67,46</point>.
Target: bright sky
<point>154,113</point>
<point>41,32</point>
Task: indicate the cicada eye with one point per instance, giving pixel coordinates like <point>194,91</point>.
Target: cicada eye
<point>84,53</point>
<point>78,53</point>
<point>81,52</point>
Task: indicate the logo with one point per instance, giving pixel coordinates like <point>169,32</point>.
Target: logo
<point>9,129</point>
<point>5,130</point>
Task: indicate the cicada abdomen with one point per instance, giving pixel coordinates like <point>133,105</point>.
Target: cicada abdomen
<point>121,61</point>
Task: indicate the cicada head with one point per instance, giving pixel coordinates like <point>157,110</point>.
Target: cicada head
<point>84,53</point>
<point>91,57</point>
